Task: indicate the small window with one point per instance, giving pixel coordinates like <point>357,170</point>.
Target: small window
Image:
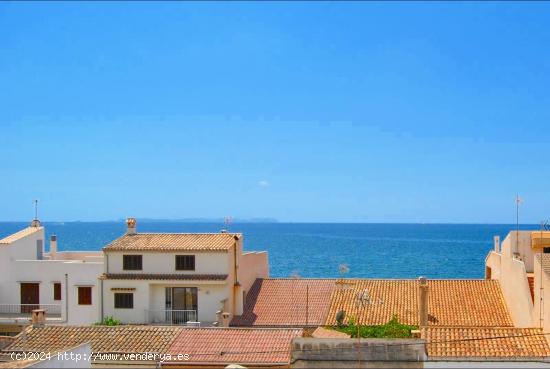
<point>185,262</point>
<point>546,250</point>
<point>84,295</point>
<point>132,262</point>
<point>57,291</point>
<point>124,300</point>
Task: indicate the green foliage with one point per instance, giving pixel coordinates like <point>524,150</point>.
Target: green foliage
<point>110,321</point>
<point>392,329</point>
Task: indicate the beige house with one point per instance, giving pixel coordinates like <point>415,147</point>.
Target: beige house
<point>521,263</point>
<point>178,278</point>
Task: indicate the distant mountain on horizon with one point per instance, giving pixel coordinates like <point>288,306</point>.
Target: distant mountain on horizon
<point>207,220</point>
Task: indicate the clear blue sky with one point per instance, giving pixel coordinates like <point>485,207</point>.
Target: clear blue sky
<point>360,112</point>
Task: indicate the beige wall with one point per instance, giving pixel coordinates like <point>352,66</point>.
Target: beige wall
<point>512,275</point>
<point>150,296</point>
<point>253,265</point>
<point>165,262</point>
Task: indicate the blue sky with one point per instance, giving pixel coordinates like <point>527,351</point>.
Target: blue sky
<point>344,112</point>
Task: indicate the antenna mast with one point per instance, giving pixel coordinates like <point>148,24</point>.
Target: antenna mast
<point>519,201</point>
<point>35,209</point>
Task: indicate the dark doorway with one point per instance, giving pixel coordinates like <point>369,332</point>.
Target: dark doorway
<point>183,304</point>
<point>30,297</point>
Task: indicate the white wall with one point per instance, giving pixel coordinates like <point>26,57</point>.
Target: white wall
<point>49,271</point>
<point>151,296</point>
<point>164,262</point>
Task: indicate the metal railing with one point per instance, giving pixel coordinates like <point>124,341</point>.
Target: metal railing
<point>23,310</point>
<point>170,317</point>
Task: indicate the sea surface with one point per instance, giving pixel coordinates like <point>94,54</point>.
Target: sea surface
<point>316,250</point>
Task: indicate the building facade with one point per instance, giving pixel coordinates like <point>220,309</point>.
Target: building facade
<point>141,278</point>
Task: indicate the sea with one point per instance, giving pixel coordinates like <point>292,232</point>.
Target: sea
<point>318,250</point>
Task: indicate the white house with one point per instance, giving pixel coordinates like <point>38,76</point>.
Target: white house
<point>144,278</point>
<point>61,283</point>
<point>175,278</point>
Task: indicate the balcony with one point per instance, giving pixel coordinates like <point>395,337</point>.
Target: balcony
<point>172,317</point>
<point>22,312</point>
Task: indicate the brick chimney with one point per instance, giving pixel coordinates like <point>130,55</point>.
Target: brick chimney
<point>422,302</point>
<point>38,318</point>
<point>53,246</point>
<point>131,225</point>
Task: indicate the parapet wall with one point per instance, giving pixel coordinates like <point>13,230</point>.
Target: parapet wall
<point>357,353</point>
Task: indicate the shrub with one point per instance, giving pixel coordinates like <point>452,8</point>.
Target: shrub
<point>392,329</point>
<point>110,321</point>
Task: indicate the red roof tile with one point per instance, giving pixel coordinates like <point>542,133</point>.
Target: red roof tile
<point>282,302</point>
<point>243,346</point>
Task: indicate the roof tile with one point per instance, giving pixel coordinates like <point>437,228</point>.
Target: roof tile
<point>459,342</point>
<point>173,242</point>
<point>235,345</point>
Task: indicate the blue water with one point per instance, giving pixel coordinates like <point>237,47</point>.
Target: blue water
<point>317,250</point>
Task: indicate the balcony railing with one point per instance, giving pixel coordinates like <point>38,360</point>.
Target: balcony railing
<point>24,310</point>
<point>170,317</point>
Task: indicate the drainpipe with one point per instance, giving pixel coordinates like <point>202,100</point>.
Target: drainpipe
<point>422,302</point>
<point>66,298</point>
<point>101,298</point>
<point>236,283</point>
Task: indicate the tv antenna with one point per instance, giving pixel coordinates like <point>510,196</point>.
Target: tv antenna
<point>35,201</point>
<point>226,222</point>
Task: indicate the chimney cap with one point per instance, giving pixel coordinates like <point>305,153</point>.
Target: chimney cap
<point>53,237</point>
<point>423,280</point>
<point>131,225</point>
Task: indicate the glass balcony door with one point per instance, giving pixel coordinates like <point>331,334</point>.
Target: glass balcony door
<point>182,304</point>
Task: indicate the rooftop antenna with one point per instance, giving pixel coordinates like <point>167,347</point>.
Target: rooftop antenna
<point>519,201</point>
<point>35,222</point>
<point>226,222</point>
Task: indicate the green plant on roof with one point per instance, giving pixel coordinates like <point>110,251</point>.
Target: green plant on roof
<point>110,321</point>
<point>392,329</point>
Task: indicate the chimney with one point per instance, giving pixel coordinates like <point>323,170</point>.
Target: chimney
<point>38,318</point>
<point>497,244</point>
<point>131,226</point>
<point>225,319</point>
<point>53,246</point>
<point>422,302</point>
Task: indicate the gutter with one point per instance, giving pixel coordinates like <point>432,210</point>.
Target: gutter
<point>66,298</point>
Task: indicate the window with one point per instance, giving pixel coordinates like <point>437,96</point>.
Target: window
<point>132,262</point>
<point>546,250</point>
<point>84,295</point>
<point>57,291</point>
<point>185,262</point>
<point>39,250</point>
<point>124,300</point>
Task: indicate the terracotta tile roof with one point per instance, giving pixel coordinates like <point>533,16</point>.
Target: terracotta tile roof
<point>120,339</point>
<point>322,332</point>
<point>477,303</point>
<point>18,235</point>
<point>282,302</point>
<point>235,345</point>
<point>458,342</point>
<point>174,242</point>
<point>185,277</point>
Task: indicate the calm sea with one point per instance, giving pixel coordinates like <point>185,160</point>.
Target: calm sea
<point>317,250</point>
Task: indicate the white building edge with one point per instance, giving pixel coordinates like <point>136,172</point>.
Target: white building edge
<point>140,278</point>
